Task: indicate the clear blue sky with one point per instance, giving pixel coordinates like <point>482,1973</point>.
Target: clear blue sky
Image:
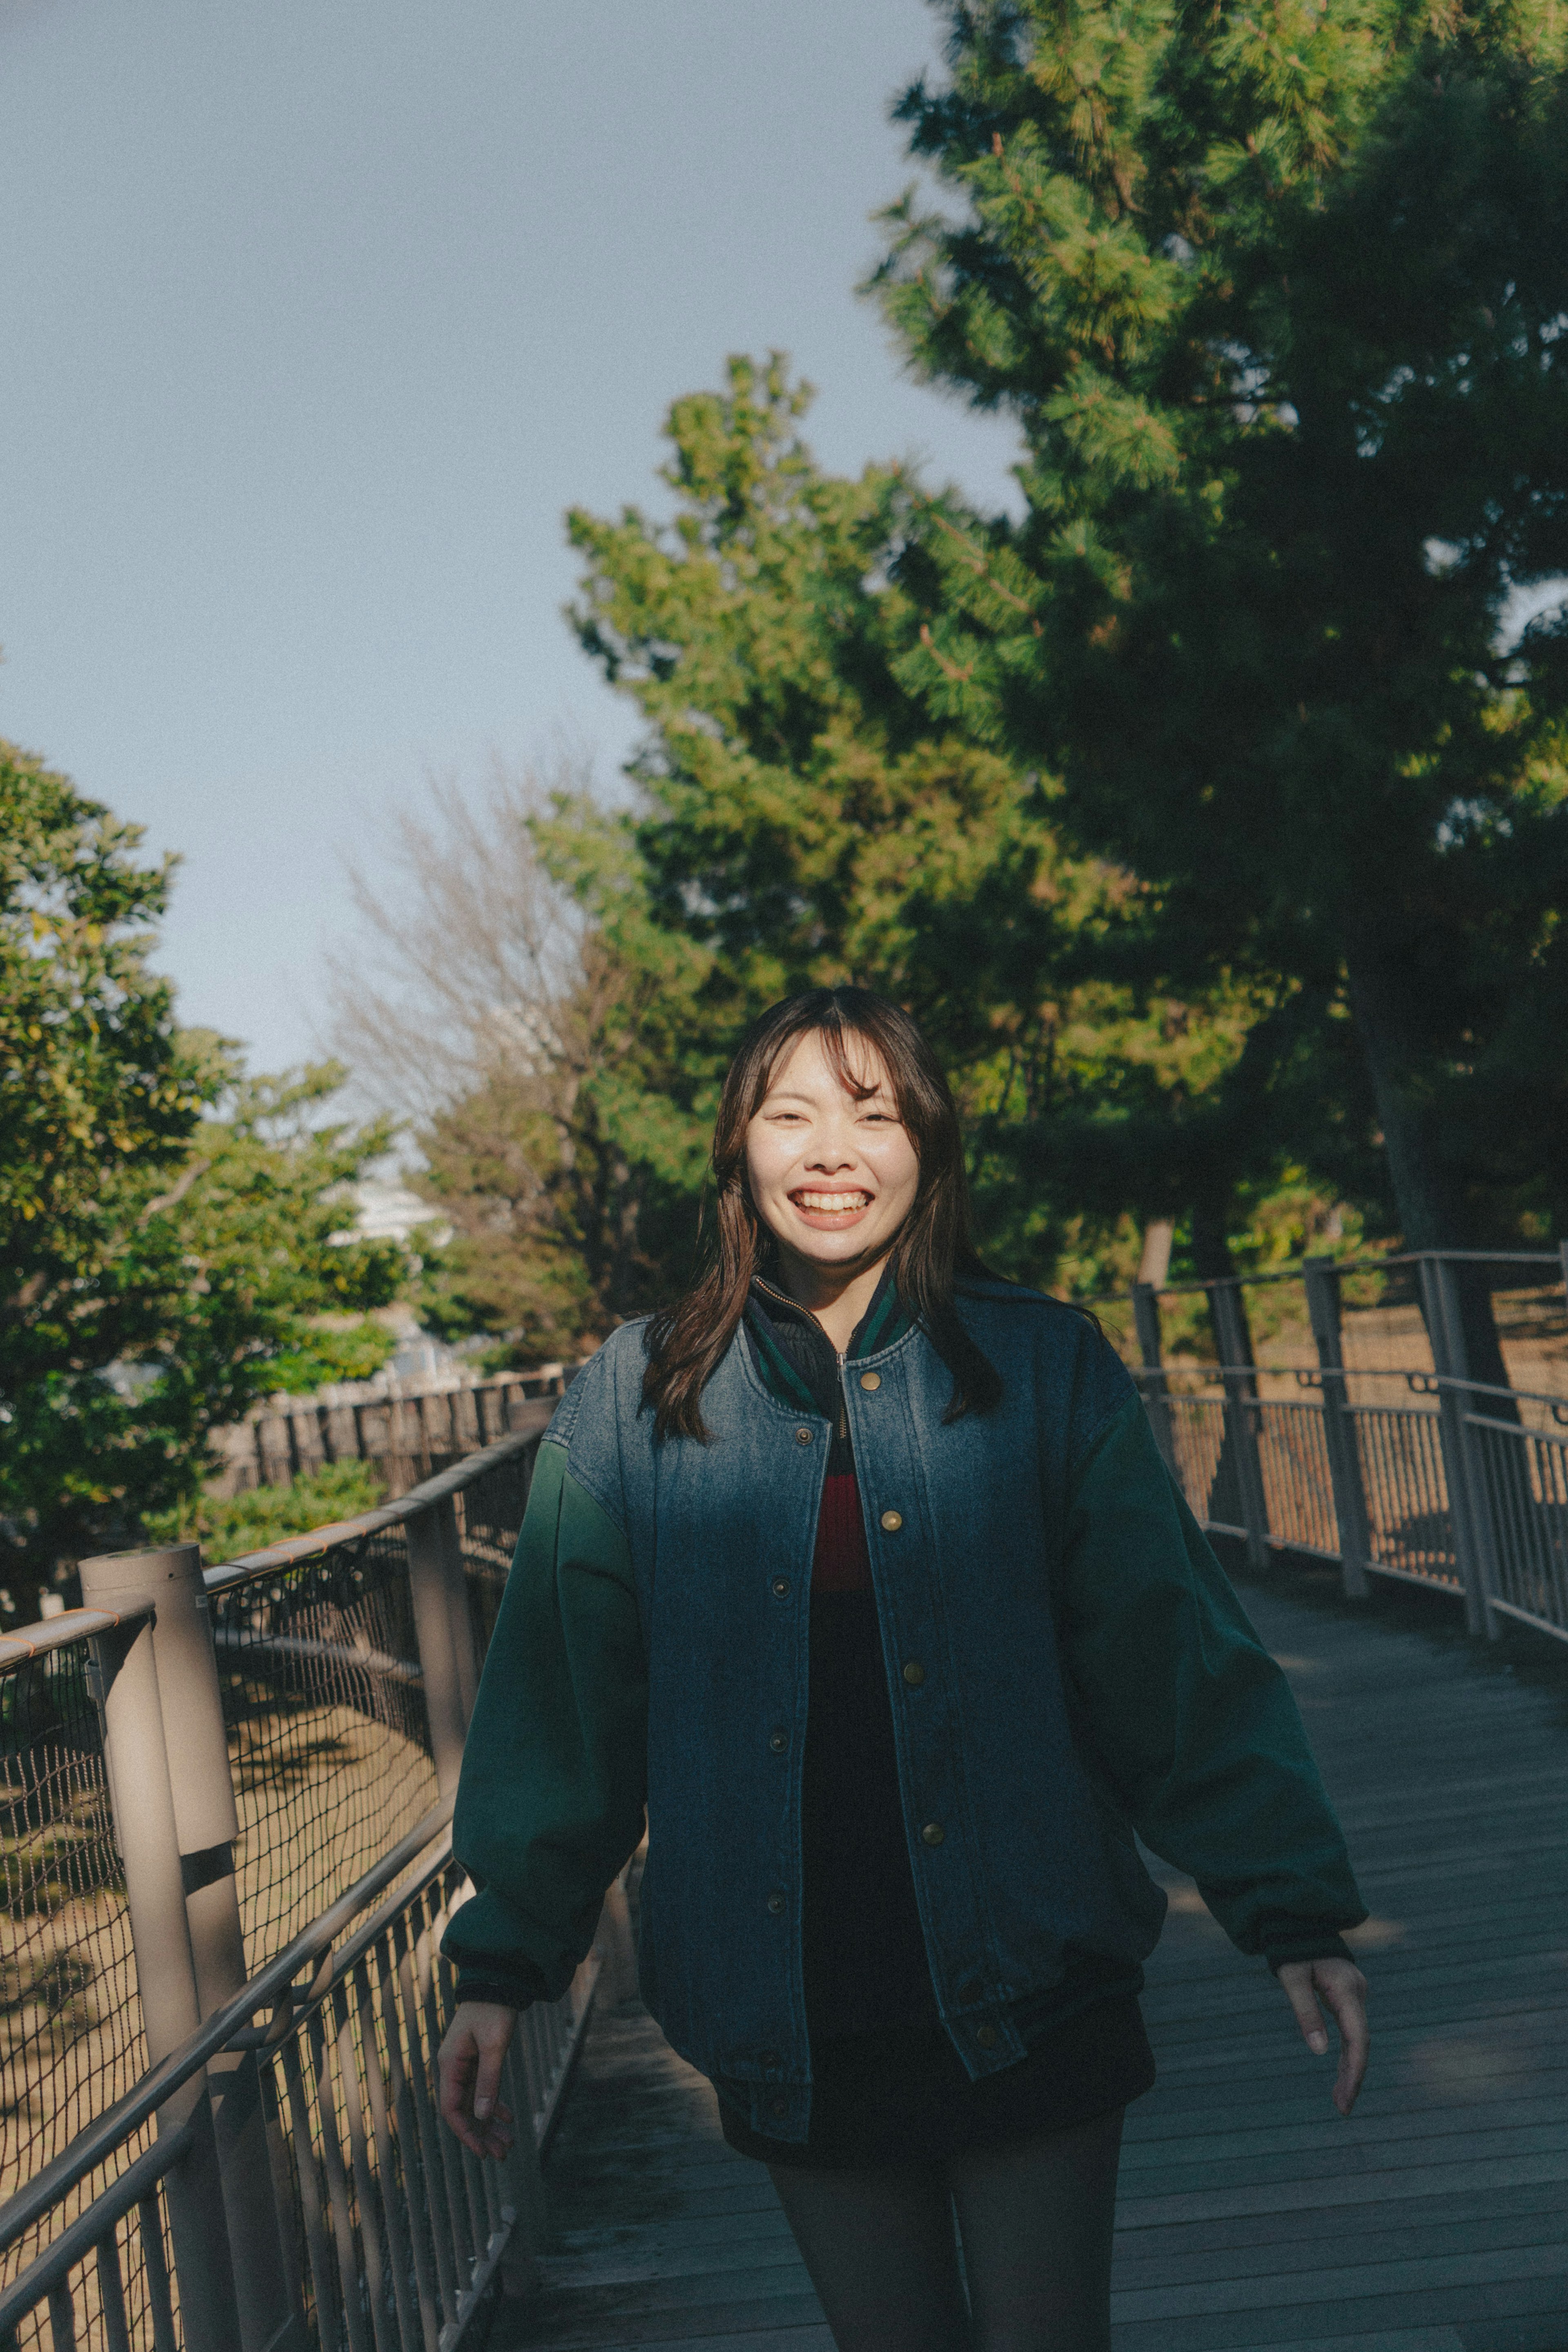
<point>318,314</point>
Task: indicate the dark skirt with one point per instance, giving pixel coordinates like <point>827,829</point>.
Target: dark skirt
<point>901,2095</point>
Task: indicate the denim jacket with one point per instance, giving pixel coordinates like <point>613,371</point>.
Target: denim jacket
<point>1068,1663</point>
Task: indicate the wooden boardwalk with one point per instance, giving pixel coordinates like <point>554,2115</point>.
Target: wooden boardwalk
<point>1434,2221</point>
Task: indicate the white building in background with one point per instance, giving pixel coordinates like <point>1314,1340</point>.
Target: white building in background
<point>386,1211</point>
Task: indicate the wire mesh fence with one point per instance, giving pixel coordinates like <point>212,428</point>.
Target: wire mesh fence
<point>322,1684</point>
<point>109,2277</point>
<point>72,2024</point>
<point>330,1741</point>
<point>490,1512</point>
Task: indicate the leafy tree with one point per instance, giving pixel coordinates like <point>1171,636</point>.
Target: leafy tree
<point>1277,295</point>
<point>169,1226</point>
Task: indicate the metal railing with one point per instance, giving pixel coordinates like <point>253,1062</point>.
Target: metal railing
<point>1431,1476</point>
<point>228,1853</point>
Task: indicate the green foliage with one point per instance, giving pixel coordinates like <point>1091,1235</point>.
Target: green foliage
<point>1277,296</point>
<point>98,1096</point>
<point>168,1222</point>
<point>327,1350</point>
<point>226,1527</point>
<point>809,811</point>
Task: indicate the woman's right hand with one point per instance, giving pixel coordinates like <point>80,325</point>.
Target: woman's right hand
<point>468,2069</point>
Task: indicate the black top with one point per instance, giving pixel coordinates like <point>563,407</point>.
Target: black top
<point>863,1946</point>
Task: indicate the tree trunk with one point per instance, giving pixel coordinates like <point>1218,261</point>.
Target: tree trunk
<point>1427,1193</point>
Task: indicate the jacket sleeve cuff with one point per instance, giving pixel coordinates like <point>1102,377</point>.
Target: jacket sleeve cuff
<point>1323,1946</point>
<point>510,1983</point>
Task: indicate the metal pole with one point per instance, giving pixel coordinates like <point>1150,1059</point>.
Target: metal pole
<point>1241,1413</point>
<point>441,1633</point>
<point>522,2180</point>
<point>195,1742</point>
<point>462,1647</point>
<point>143,1805</point>
<point>1156,1388</point>
<point>1467,1511</point>
<point>1339,1427</point>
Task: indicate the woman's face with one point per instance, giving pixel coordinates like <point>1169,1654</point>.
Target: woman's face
<point>834,1177</point>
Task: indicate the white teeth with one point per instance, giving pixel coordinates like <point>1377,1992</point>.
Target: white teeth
<point>832,1200</point>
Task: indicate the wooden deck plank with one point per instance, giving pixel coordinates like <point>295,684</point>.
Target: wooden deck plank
<point>1251,2216</point>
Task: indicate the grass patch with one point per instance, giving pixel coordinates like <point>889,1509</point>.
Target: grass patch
<point>226,1525</point>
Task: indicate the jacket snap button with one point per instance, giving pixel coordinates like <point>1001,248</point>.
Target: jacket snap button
<point>778,1742</point>
<point>893,1521</point>
<point>914,1673</point>
<point>802,1437</point>
<point>775,1902</point>
<point>985,2035</point>
<point>780,2107</point>
<point>781,1587</point>
<point>871,1379</point>
<point>934,1834</point>
<point>973,1990</point>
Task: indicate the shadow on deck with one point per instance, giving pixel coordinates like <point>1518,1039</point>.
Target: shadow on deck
<point>1251,2215</point>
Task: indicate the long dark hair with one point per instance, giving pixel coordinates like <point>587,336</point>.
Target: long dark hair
<point>686,1342</point>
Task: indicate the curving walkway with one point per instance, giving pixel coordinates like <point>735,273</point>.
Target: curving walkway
<point>1434,2221</point>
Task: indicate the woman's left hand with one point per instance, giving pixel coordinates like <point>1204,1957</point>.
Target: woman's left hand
<point>1341,1985</point>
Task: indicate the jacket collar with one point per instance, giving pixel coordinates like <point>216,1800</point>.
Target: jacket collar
<point>793,1353</point>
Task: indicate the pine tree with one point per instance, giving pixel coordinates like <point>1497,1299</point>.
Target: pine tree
<point>803,816</point>
<point>1277,294</point>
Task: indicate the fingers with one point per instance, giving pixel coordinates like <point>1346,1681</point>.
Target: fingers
<point>1341,1985</point>
<point>468,2069</point>
<point>1345,1993</point>
<point>487,2081</point>
<point>1296,1984</point>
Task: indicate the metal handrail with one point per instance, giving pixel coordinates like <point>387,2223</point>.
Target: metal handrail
<point>75,1625</point>
<point>78,2241</point>
<point>1423,1383</point>
<point>1337,1265</point>
<point>100,2138</point>
<point>320,1540</point>
<point>61,1632</point>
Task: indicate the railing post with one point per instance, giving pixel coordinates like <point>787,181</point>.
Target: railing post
<point>522,2180</point>
<point>195,1744</point>
<point>1241,1413</point>
<point>1156,1388</point>
<point>1466,1473</point>
<point>1339,1426</point>
<point>521,2174</point>
<point>143,1806</point>
<point>442,1628</point>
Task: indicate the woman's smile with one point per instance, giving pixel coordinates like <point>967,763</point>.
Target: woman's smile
<point>828,1209</point>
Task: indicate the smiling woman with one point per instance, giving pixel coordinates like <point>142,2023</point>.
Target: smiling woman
<point>833,1172</point>
<point>837,1151</point>
<point>861,1570</point>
